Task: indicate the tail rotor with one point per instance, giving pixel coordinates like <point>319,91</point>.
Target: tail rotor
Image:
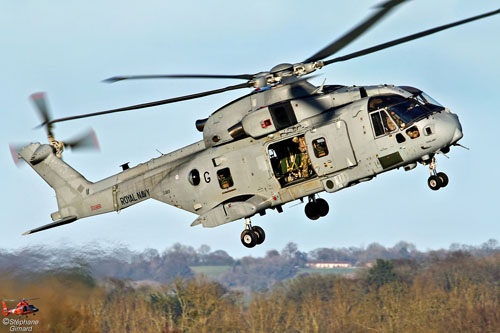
<point>85,141</point>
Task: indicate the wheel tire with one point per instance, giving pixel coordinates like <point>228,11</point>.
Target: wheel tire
<point>434,183</point>
<point>248,238</point>
<point>444,178</point>
<point>261,235</point>
<point>311,210</point>
<point>323,207</point>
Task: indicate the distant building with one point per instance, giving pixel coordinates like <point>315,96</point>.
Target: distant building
<point>329,265</point>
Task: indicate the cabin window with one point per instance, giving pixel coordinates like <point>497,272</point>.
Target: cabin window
<point>194,177</point>
<point>225,179</point>
<point>290,161</point>
<point>320,148</point>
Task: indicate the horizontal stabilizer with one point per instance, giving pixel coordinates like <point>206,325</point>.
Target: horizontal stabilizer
<point>66,220</point>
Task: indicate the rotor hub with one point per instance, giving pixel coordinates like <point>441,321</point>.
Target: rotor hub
<point>282,68</point>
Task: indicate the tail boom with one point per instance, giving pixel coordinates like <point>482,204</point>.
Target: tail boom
<point>5,310</point>
<point>74,193</point>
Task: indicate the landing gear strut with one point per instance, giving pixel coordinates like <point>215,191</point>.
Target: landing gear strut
<point>316,208</point>
<point>437,179</point>
<point>252,235</point>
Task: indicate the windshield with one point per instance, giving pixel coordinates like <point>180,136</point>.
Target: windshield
<point>429,102</point>
<point>405,110</point>
<point>426,99</point>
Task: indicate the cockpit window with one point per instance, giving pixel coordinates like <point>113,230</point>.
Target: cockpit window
<point>430,100</point>
<point>382,123</point>
<point>377,124</point>
<point>380,102</point>
<point>413,132</point>
<point>405,110</point>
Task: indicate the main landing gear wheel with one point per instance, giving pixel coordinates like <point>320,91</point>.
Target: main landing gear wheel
<point>312,211</point>
<point>316,208</point>
<point>437,179</point>
<point>434,183</point>
<point>248,238</point>
<point>444,178</point>
<point>261,235</point>
<point>252,236</point>
<point>323,207</point>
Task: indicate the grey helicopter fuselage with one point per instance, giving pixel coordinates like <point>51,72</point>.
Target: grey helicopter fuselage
<point>286,140</point>
<point>240,167</point>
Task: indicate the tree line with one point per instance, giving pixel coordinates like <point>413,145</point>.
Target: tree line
<point>247,273</point>
<point>458,292</point>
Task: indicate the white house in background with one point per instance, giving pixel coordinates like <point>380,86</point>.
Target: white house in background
<point>328,265</point>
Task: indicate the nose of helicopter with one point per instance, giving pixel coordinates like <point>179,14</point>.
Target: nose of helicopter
<point>457,133</point>
<point>449,128</point>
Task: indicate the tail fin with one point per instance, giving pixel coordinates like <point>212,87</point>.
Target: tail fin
<point>68,184</point>
<point>5,309</point>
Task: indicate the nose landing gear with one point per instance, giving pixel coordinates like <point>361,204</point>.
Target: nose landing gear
<point>437,180</point>
<point>316,208</point>
<point>252,236</point>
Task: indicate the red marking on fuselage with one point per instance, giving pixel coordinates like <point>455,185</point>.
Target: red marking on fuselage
<point>95,207</point>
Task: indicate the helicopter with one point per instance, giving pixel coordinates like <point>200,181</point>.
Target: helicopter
<point>287,140</point>
<point>23,308</point>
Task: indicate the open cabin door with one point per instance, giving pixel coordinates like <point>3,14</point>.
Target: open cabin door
<point>330,148</point>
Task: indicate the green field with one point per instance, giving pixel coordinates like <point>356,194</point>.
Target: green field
<point>210,271</point>
<point>215,272</point>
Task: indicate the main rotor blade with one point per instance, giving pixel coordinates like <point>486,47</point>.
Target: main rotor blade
<point>156,103</point>
<point>408,38</point>
<point>346,39</point>
<point>178,76</point>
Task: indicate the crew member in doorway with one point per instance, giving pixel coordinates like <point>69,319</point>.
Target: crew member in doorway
<point>305,160</point>
<point>290,165</point>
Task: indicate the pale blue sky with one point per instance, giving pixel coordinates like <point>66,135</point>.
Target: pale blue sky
<point>66,47</point>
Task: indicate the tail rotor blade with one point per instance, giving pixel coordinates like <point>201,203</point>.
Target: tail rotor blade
<point>40,101</point>
<point>86,141</point>
<point>14,151</point>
